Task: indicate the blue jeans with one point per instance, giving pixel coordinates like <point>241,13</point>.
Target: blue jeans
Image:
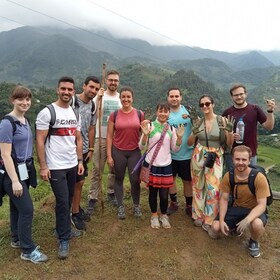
<point>21,215</point>
<point>63,184</point>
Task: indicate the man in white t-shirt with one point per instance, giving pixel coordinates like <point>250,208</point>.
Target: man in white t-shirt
<point>110,103</point>
<point>59,150</point>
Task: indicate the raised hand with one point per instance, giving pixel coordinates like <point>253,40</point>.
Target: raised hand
<point>193,115</point>
<point>196,128</point>
<point>270,104</point>
<point>145,127</point>
<point>180,131</point>
<point>229,123</point>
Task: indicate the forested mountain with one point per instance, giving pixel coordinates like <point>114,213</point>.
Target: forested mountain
<point>150,86</point>
<point>38,56</point>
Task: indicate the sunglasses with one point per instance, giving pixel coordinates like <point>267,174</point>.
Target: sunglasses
<point>207,104</point>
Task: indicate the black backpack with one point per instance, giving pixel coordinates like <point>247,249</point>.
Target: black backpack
<point>53,118</point>
<point>251,181</point>
<point>12,121</point>
<point>74,103</point>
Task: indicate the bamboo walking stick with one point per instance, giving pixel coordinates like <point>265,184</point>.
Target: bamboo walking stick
<point>100,115</point>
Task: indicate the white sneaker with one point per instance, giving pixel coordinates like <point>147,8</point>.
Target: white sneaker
<point>165,221</point>
<point>155,222</point>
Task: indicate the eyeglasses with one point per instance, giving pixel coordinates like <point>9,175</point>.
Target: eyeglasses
<point>113,80</point>
<point>239,94</point>
<point>207,104</point>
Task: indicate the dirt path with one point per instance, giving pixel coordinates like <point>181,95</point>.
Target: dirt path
<point>130,249</point>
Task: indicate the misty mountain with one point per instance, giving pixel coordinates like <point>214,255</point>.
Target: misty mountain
<point>39,56</point>
<point>250,60</point>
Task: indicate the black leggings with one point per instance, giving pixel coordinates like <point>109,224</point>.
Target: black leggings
<point>163,199</point>
<point>126,159</point>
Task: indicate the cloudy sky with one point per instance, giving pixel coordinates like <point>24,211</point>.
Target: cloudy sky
<point>227,25</point>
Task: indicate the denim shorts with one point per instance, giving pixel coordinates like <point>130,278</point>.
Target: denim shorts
<point>236,214</point>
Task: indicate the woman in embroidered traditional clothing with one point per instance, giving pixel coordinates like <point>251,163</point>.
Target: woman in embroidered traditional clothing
<point>210,134</point>
<point>161,178</point>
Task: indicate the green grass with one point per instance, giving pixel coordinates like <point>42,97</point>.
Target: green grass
<point>270,157</point>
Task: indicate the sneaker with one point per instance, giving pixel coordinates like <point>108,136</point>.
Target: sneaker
<point>210,232</point>
<point>121,212</point>
<point>112,199</point>
<point>198,222</point>
<point>15,244</point>
<point>173,207</point>
<point>188,210</point>
<point>155,222</point>
<point>254,248</point>
<point>36,256</point>
<point>77,222</point>
<point>73,233</point>
<point>165,221</point>
<point>83,215</point>
<point>63,249</point>
<point>137,211</point>
<point>91,205</point>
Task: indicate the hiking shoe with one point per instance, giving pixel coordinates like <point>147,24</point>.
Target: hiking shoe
<point>83,215</point>
<point>210,232</point>
<point>155,222</point>
<point>254,248</point>
<point>112,199</point>
<point>197,222</point>
<point>173,207</point>
<point>121,212</point>
<point>137,211</point>
<point>165,221</point>
<point>36,256</point>
<point>63,249</point>
<point>73,233</point>
<point>188,210</point>
<point>91,205</point>
<point>15,244</point>
<point>77,222</point>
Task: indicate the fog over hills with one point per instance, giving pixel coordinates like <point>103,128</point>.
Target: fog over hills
<point>40,55</point>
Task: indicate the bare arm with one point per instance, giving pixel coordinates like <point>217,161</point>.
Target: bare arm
<point>258,210</point>
<point>269,123</point>
<point>41,136</point>
<point>191,140</point>
<point>223,204</point>
<point>91,137</point>
<point>79,150</point>
<point>145,128</point>
<point>110,133</point>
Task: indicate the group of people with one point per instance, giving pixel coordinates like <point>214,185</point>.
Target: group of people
<point>103,125</point>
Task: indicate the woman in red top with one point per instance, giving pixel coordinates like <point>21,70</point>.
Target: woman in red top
<point>123,134</point>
